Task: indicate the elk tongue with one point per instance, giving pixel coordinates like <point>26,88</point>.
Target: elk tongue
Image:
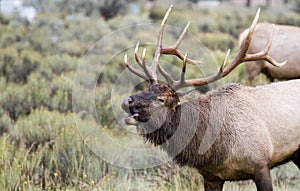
<point>130,120</point>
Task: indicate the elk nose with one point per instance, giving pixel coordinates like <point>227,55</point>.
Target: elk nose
<point>126,103</point>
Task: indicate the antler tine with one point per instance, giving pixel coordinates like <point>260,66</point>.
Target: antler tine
<point>173,50</point>
<point>176,45</point>
<point>144,65</point>
<point>158,49</point>
<point>182,78</point>
<point>136,55</point>
<point>141,62</point>
<point>133,70</point>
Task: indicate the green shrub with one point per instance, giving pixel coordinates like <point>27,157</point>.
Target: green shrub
<point>110,8</point>
<point>84,29</point>
<point>16,100</point>
<point>63,63</point>
<point>288,18</point>
<point>106,8</point>
<point>61,94</point>
<point>73,48</point>
<point>128,21</point>
<point>178,19</point>
<point>19,100</point>
<point>206,24</point>
<point>218,41</point>
<point>157,12</point>
<point>232,23</point>
<point>17,68</point>
<point>57,155</point>
<point>7,37</point>
<point>72,156</point>
<point>54,94</point>
<point>39,128</point>
<point>103,105</point>
<point>31,60</point>
<point>3,19</point>
<point>40,39</point>
<point>9,59</point>
<point>39,87</point>
<point>6,123</point>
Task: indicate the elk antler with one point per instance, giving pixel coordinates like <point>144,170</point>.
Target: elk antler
<point>242,56</point>
<point>150,72</point>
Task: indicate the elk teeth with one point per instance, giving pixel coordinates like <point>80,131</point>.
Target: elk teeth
<point>132,116</point>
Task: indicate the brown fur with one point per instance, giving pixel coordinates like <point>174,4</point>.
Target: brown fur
<point>248,134</point>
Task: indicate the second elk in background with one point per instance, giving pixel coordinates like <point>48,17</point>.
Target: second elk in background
<point>285,46</point>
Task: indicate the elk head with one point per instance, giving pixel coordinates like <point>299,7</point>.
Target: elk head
<point>161,99</point>
<point>150,107</point>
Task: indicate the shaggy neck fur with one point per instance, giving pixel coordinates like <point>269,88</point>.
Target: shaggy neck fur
<point>191,119</point>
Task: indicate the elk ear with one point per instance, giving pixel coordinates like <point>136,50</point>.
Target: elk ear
<point>184,98</point>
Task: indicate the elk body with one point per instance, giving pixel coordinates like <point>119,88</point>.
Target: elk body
<point>285,46</point>
<point>227,134</point>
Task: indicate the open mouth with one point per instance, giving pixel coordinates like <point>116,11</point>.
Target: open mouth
<point>131,119</point>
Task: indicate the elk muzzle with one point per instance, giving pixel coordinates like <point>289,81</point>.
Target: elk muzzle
<point>131,119</point>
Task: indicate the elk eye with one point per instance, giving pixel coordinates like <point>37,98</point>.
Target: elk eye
<point>161,100</point>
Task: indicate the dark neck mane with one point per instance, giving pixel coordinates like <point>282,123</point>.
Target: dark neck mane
<point>182,132</point>
<point>181,126</point>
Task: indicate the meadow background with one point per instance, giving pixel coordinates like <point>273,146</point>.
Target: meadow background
<point>40,144</point>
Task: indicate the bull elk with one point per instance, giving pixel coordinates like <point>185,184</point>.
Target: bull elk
<point>231,133</point>
<point>285,46</point>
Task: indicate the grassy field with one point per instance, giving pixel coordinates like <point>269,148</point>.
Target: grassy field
<point>55,157</point>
